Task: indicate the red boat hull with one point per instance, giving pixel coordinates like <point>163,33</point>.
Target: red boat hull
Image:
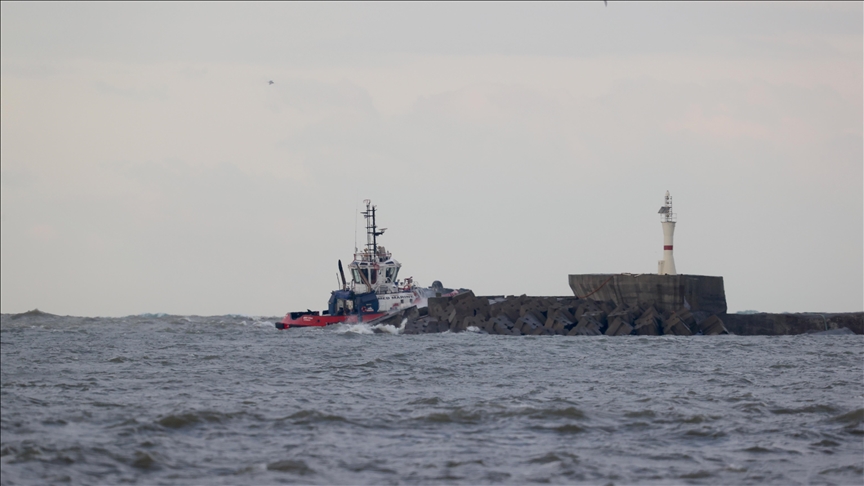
<point>315,320</point>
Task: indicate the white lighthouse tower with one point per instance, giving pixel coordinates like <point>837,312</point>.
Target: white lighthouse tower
<point>666,266</point>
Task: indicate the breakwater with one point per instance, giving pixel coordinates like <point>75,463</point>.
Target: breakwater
<point>705,294</point>
<point>765,324</point>
<point>677,306</point>
<point>570,316</point>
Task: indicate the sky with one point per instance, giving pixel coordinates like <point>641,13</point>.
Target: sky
<point>148,166</point>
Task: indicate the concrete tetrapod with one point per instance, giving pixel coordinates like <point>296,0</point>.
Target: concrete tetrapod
<point>588,326</point>
<point>674,325</point>
<point>529,322</point>
<point>649,323</point>
<point>712,326</point>
<point>619,327</point>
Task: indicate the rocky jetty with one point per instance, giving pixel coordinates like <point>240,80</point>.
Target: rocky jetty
<point>537,316</point>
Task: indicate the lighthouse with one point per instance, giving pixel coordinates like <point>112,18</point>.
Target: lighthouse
<point>666,266</point>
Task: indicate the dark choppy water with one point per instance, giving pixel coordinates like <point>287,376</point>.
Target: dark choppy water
<point>231,400</point>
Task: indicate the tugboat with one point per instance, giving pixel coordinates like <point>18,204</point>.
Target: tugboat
<point>374,290</point>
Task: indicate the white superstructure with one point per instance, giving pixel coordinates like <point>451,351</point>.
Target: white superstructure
<point>375,270</point>
<point>666,266</point>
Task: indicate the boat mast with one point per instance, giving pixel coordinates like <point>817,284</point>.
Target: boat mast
<point>374,237</point>
<point>372,232</point>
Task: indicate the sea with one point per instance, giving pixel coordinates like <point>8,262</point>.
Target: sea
<point>188,400</point>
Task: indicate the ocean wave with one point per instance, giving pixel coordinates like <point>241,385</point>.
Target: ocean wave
<point>807,409</point>
<point>472,415</point>
<point>855,417</point>
<point>189,419</point>
<point>293,466</point>
<point>306,417</point>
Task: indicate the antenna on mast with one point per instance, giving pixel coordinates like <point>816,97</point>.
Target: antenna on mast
<point>372,232</point>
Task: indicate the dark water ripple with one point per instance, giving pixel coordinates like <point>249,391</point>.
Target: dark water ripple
<point>231,400</point>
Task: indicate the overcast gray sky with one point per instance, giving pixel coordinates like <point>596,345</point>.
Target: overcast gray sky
<point>148,166</point>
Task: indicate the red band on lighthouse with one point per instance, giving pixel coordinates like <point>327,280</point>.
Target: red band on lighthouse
<point>667,247</point>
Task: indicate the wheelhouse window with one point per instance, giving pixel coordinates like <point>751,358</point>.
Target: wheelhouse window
<point>370,275</point>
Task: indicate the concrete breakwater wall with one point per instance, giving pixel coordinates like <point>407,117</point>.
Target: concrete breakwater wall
<point>665,292</point>
<point>570,316</point>
<point>782,324</point>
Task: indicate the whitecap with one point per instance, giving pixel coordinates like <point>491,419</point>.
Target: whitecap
<point>388,328</point>
<point>359,328</point>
